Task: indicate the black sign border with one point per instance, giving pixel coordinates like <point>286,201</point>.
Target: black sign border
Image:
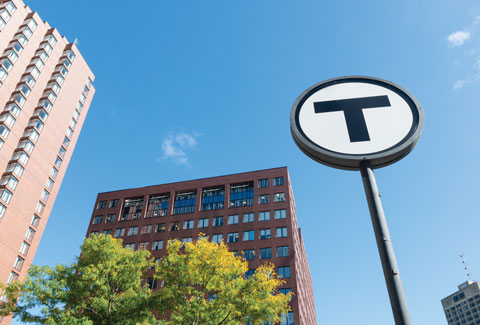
<point>352,161</point>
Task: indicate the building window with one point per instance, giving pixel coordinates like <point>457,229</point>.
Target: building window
<point>282,251</point>
<point>160,227</point>
<point>4,131</point>
<point>18,263</point>
<point>263,183</point>
<point>241,195</point>
<point>26,145</point>
<point>35,220</point>
<point>287,319</point>
<point>6,195</point>
<point>13,277</point>
<point>10,7</point>
<point>10,181</point>
<point>101,205</point>
<point>32,24</point>
<point>232,237</point>
<point>265,234</point>
<point>110,218</point>
<point>69,132</point>
<point>24,248</point>
<point>158,205</point>
<point>61,152</point>
<point>264,216</point>
<point>249,254</point>
<point>107,232</point>
<point>263,199</point>
<point>249,273</point>
<point>284,272</point>
<point>131,246</point>
<point>285,291</point>
<point>132,208</point>
<point>97,220</point>
<point>248,235</point>
<point>213,198</point>
<point>248,217</point>
<point>185,202</point>
<point>7,64</point>
<point>279,197</point>
<point>217,221</point>
<point>280,214</point>
<point>143,245</point>
<point>132,231</point>
<point>152,283</point>
<point>188,224</point>
<point>174,226</point>
<point>277,181</point>
<point>5,15</point>
<point>281,232</point>
<point>157,245</point>
<point>265,252</point>
<point>52,40</point>
<point>40,207</point>
<point>21,156</point>
<point>146,229</point>
<point>203,223</point>
<point>119,232</point>
<point>16,168</point>
<point>8,119</point>
<point>45,195</point>
<point>2,210</point>
<point>217,238</point>
<point>30,234</point>
<point>233,220</point>
<point>186,240</point>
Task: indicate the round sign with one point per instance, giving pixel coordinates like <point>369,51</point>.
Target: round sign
<point>344,121</point>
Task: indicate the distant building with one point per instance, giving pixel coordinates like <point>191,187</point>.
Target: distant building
<point>463,306</point>
<point>45,92</point>
<point>253,213</point>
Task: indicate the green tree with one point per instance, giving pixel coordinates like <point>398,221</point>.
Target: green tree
<point>205,283</point>
<point>103,286</point>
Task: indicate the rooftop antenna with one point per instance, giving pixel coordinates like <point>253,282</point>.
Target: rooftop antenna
<point>466,267</point>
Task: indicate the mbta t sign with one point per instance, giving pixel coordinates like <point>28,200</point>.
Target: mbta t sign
<point>361,123</point>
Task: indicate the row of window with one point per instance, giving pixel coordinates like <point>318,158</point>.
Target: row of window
<point>6,11</point>
<point>19,97</point>
<point>204,222</point>
<point>277,181</point>
<point>26,145</point>
<point>16,46</point>
<point>185,202</point>
<point>232,237</point>
<point>24,248</point>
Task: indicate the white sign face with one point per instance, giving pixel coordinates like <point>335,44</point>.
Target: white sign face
<point>385,125</point>
<point>353,119</point>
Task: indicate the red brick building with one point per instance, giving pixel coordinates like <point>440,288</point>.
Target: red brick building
<point>45,92</point>
<point>254,213</point>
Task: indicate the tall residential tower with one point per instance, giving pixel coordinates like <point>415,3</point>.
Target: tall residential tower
<point>45,92</point>
<point>253,213</point>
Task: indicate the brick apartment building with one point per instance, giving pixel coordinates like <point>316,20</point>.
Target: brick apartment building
<point>254,213</point>
<point>45,92</point>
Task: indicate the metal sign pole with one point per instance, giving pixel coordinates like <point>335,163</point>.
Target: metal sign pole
<point>385,248</point>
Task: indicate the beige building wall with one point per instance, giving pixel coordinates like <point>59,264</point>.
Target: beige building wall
<point>45,93</point>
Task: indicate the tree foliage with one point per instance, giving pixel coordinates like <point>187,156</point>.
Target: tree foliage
<point>102,287</point>
<point>201,283</point>
<point>204,283</point>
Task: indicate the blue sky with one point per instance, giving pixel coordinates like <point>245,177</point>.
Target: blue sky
<point>192,89</point>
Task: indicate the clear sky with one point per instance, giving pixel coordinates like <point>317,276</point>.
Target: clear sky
<point>192,89</point>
